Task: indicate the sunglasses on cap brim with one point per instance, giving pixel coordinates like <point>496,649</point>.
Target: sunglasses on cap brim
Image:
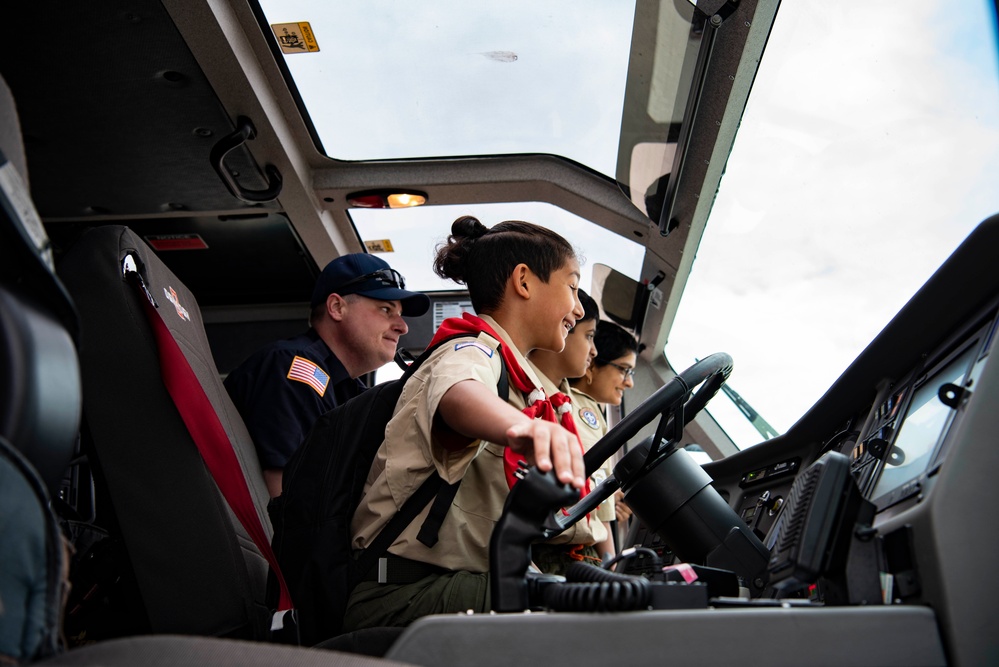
<point>381,277</point>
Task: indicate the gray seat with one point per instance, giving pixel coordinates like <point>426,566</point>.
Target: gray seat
<point>170,651</point>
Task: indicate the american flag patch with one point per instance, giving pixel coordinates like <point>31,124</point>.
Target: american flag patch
<point>303,370</point>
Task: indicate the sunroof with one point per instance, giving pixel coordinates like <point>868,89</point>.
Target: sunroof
<point>604,84</point>
<point>454,78</point>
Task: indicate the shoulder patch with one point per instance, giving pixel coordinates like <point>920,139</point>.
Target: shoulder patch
<point>477,345</point>
<point>589,418</point>
<point>303,370</point>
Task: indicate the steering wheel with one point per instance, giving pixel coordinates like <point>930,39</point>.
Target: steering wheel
<point>676,408</point>
<point>531,511</point>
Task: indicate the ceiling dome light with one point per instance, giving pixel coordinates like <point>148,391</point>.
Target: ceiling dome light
<point>386,199</point>
<point>406,199</point>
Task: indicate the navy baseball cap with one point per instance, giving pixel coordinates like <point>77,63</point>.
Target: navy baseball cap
<point>370,276</point>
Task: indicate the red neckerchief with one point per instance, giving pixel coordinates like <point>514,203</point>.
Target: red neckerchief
<point>557,409</point>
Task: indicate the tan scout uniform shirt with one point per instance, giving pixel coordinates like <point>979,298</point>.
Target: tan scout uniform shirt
<point>592,426</point>
<point>588,531</point>
<point>410,453</point>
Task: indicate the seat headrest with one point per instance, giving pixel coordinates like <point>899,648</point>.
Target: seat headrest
<point>26,258</point>
<point>11,142</point>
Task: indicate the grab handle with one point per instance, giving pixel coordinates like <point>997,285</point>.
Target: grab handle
<point>244,132</point>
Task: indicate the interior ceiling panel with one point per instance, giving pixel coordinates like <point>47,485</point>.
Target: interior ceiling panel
<point>224,260</point>
<point>164,127</point>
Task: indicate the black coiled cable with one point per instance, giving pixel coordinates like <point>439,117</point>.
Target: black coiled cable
<point>590,588</point>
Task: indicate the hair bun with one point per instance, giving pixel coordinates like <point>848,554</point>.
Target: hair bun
<point>468,227</point>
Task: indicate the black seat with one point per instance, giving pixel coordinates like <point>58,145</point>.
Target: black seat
<point>197,569</point>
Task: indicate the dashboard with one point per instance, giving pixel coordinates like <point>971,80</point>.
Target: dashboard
<point>907,441</point>
<point>899,443</point>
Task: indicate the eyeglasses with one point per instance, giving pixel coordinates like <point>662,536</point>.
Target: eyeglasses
<point>383,277</point>
<point>625,371</point>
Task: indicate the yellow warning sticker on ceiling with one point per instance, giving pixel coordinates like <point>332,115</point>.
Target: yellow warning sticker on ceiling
<point>380,245</point>
<point>295,37</point>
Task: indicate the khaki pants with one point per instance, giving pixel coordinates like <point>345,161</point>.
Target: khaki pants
<point>381,605</point>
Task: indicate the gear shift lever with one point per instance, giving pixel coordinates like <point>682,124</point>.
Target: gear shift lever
<point>532,500</point>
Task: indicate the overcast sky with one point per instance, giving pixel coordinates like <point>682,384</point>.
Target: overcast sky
<point>453,77</point>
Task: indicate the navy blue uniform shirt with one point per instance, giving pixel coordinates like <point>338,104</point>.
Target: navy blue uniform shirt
<point>283,388</point>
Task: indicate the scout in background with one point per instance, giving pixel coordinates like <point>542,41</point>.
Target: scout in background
<point>556,369</point>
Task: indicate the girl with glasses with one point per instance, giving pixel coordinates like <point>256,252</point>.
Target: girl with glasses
<point>612,371</point>
<point>606,379</point>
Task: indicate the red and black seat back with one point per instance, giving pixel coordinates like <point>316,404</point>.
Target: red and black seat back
<point>197,569</point>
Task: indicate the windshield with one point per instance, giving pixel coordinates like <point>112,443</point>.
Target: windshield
<point>868,150</point>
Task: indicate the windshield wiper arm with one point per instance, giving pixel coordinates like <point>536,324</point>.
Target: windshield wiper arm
<point>754,417</point>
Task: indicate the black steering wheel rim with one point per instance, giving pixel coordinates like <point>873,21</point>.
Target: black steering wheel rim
<point>675,407</point>
<point>716,367</point>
